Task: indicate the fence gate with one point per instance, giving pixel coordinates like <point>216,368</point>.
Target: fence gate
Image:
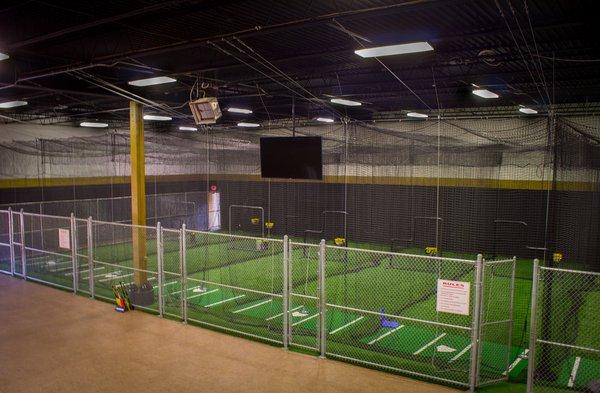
<point>304,308</point>
<point>564,343</point>
<point>5,241</point>
<point>497,357</point>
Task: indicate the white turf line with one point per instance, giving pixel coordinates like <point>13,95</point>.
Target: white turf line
<point>517,361</point>
<point>305,320</point>
<point>115,278</point>
<point>280,314</point>
<point>85,270</point>
<point>224,301</point>
<point>574,372</point>
<point>202,294</point>
<point>385,335</point>
<point>438,338</point>
<point>255,305</point>
<point>150,279</point>
<point>178,292</point>
<point>458,355</point>
<point>346,325</point>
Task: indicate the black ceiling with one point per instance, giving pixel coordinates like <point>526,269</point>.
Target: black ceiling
<point>69,59</point>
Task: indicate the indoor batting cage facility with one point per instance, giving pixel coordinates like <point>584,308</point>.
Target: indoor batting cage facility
<point>450,231</point>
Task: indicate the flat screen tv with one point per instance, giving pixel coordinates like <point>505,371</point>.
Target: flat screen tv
<point>291,157</point>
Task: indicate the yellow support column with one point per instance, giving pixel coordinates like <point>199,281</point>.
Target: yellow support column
<point>138,191</point>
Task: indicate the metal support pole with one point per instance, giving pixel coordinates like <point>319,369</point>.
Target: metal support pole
<point>11,241</point>
<point>90,248</point>
<point>159,268</point>
<point>183,261</point>
<point>23,257</point>
<point>511,311</point>
<point>475,325</point>
<point>285,292</point>
<point>75,272</point>
<point>533,325</point>
<point>322,301</point>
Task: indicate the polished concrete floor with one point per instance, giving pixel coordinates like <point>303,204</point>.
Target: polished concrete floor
<point>53,341</point>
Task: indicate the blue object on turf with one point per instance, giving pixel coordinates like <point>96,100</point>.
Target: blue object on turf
<point>385,323</point>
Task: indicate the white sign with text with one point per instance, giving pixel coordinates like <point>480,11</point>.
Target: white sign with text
<point>64,238</point>
<point>453,297</point>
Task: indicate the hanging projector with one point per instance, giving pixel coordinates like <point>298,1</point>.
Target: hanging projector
<point>206,110</point>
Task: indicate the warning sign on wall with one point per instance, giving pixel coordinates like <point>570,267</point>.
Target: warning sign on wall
<point>64,238</point>
<point>453,297</point>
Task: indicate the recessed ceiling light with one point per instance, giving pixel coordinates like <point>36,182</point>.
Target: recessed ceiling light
<point>184,128</point>
<point>324,119</point>
<point>342,101</point>
<point>527,111</point>
<point>159,80</point>
<point>417,114</point>
<point>157,118</point>
<point>239,110</point>
<point>242,124</point>
<point>390,50</point>
<point>93,124</point>
<point>484,93</point>
<point>12,104</point>
<point>3,56</point>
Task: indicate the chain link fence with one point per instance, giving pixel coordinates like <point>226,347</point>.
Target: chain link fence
<point>47,246</point>
<point>234,283</point>
<point>5,242</point>
<point>446,319</point>
<point>382,311</point>
<point>564,348</point>
<point>497,356</point>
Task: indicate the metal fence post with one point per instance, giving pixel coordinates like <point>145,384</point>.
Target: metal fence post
<point>90,247</point>
<point>533,325</point>
<point>322,301</point>
<point>285,292</point>
<point>183,270</point>
<point>74,253</point>
<point>159,268</point>
<point>511,311</point>
<point>23,258</point>
<point>11,241</point>
<point>475,325</point>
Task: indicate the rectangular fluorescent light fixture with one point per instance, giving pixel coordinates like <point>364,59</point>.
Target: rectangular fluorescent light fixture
<point>342,101</point>
<point>390,50</point>
<point>12,104</point>
<point>157,118</point>
<point>484,93</point>
<point>527,111</point>
<point>159,80</point>
<point>242,124</point>
<point>3,56</point>
<point>239,110</point>
<point>417,115</point>
<point>324,119</point>
<point>184,128</point>
<point>93,124</point>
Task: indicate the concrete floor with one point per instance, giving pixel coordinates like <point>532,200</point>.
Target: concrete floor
<point>53,341</point>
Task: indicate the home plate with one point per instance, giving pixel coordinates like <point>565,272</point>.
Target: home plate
<point>445,349</point>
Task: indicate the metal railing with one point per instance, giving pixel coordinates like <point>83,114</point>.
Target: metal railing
<point>375,308</point>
